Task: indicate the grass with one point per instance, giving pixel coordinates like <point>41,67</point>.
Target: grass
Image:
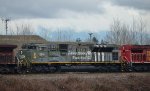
<point>75,82</point>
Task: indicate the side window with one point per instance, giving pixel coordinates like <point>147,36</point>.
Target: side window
<point>115,55</point>
<point>31,47</point>
<point>42,48</point>
<point>53,47</point>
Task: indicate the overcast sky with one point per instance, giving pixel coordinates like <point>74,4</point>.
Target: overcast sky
<point>77,15</point>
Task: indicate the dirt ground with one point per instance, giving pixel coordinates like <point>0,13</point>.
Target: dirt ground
<point>76,82</point>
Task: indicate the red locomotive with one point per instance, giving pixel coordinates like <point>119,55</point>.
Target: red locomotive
<point>7,58</point>
<point>135,53</point>
<point>136,57</point>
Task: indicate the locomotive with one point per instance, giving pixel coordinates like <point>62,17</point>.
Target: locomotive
<point>7,58</point>
<point>36,57</point>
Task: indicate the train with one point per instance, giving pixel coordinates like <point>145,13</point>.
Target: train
<point>50,58</point>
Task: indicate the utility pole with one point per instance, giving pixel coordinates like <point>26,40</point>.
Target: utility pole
<point>90,36</point>
<point>6,24</point>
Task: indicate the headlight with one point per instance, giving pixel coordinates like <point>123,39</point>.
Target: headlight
<point>21,52</point>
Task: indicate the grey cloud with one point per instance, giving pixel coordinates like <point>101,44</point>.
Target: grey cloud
<point>137,4</point>
<point>45,8</point>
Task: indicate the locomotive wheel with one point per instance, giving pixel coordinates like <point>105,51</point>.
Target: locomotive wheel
<point>54,69</point>
<point>21,70</point>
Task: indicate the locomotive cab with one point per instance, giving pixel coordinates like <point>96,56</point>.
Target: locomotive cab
<point>37,53</point>
<point>135,53</point>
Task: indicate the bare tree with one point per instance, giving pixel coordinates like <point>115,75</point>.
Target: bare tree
<point>59,34</point>
<point>12,32</point>
<point>133,32</point>
<point>45,33</point>
<point>113,36</point>
<point>23,29</point>
<point>64,35</point>
<point>17,29</point>
<point>26,29</point>
<point>95,40</point>
<point>142,31</point>
<point>122,33</point>
<point>70,35</point>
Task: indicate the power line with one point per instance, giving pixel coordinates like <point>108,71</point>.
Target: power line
<point>90,36</point>
<point>6,24</point>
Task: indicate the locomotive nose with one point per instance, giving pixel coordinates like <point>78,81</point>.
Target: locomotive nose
<point>21,56</point>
